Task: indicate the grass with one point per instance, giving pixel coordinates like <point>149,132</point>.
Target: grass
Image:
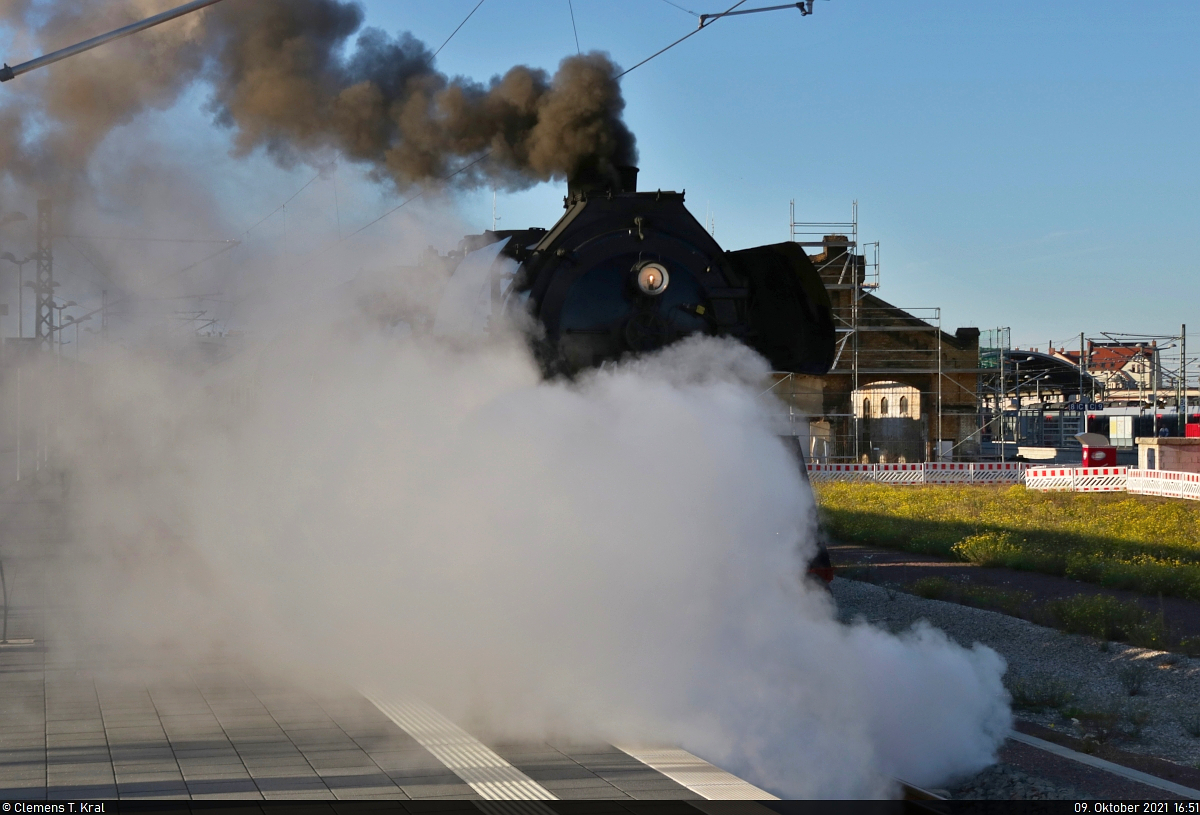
<point>1114,540</point>
<point>1133,677</point>
<point>1102,721</point>
<point>1014,603</point>
<point>1189,720</point>
<point>1039,691</point>
<point>1134,718</point>
<point>1100,616</point>
<point>1098,721</point>
<point>1110,619</point>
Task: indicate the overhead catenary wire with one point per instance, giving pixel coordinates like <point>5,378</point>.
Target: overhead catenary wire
<point>672,45</point>
<point>317,254</point>
<point>455,31</point>
<point>282,206</point>
<point>228,245</point>
<point>420,193</point>
<point>143,240</point>
<point>484,156</point>
<point>487,153</point>
<point>681,8</point>
<point>571,6</point>
<point>477,160</point>
<point>161,280</point>
<point>406,202</point>
<point>333,163</point>
<point>151,240</point>
<point>805,9</point>
<point>90,262</point>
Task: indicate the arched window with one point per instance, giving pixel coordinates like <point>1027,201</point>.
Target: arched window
<point>903,405</point>
<point>866,408</point>
<point>883,406</point>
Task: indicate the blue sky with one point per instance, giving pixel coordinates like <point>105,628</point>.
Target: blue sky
<point>1022,164</point>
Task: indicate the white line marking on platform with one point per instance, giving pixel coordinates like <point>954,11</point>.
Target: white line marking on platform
<point>1107,766</point>
<point>467,757</point>
<point>697,774</point>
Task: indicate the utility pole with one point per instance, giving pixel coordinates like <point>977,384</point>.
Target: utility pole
<point>1001,395</point>
<point>1183,371</point>
<point>1180,419</point>
<point>1081,365</point>
<point>1154,383</point>
<point>44,285</point>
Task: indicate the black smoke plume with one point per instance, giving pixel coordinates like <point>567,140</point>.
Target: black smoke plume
<point>283,79</point>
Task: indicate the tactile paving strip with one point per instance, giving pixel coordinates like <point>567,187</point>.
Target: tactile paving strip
<point>467,757</point>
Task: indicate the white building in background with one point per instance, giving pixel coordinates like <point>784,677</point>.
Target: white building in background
<point>891,423</point>
<point>887,400</point>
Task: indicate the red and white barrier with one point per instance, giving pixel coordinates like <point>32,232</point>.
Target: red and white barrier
<point>998,473</point>
<point>900,473</point>
<point>841,472</point>
<point>928,473</point>
<point>1100,479</point>
<point>944,472</point>
<point>1076,479</point>
<point>1050,478</point>
<point>1165,483</point>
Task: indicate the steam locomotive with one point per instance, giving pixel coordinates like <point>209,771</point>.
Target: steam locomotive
<point>626,272</point>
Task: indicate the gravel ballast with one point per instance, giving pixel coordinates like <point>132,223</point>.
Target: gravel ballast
<point>1090,681</point>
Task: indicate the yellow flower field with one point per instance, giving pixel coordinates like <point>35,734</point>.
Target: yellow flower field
<point>1151,545</point>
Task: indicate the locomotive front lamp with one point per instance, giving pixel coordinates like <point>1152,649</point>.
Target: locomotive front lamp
<point>652,279</point>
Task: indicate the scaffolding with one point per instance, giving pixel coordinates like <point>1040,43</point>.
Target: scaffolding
<point>877,344</point>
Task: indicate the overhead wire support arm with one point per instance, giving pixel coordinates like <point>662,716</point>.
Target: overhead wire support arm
<point>7,73</point>
<point>806,8</point>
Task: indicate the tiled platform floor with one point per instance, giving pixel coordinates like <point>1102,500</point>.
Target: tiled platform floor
<point>69,730</point>
<point>216,732</point>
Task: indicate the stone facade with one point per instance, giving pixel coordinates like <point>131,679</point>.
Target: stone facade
<point>895,346</point>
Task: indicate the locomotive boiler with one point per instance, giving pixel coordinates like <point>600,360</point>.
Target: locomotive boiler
<point>625,272</point>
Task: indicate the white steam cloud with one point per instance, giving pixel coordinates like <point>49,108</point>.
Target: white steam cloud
<point>617,558</point>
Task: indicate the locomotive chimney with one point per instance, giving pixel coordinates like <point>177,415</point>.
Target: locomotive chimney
<point>628,177</point>
<point>590,180</point>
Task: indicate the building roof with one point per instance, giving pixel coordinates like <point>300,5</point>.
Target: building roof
<point>1053,371</point>
<point>1109,357</point>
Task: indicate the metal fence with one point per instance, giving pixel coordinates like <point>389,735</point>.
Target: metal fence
<point>1164,483</point>
<point>927,473</point>
<point>1077,479</point>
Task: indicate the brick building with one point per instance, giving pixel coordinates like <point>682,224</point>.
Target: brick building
<point>900,388</point>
